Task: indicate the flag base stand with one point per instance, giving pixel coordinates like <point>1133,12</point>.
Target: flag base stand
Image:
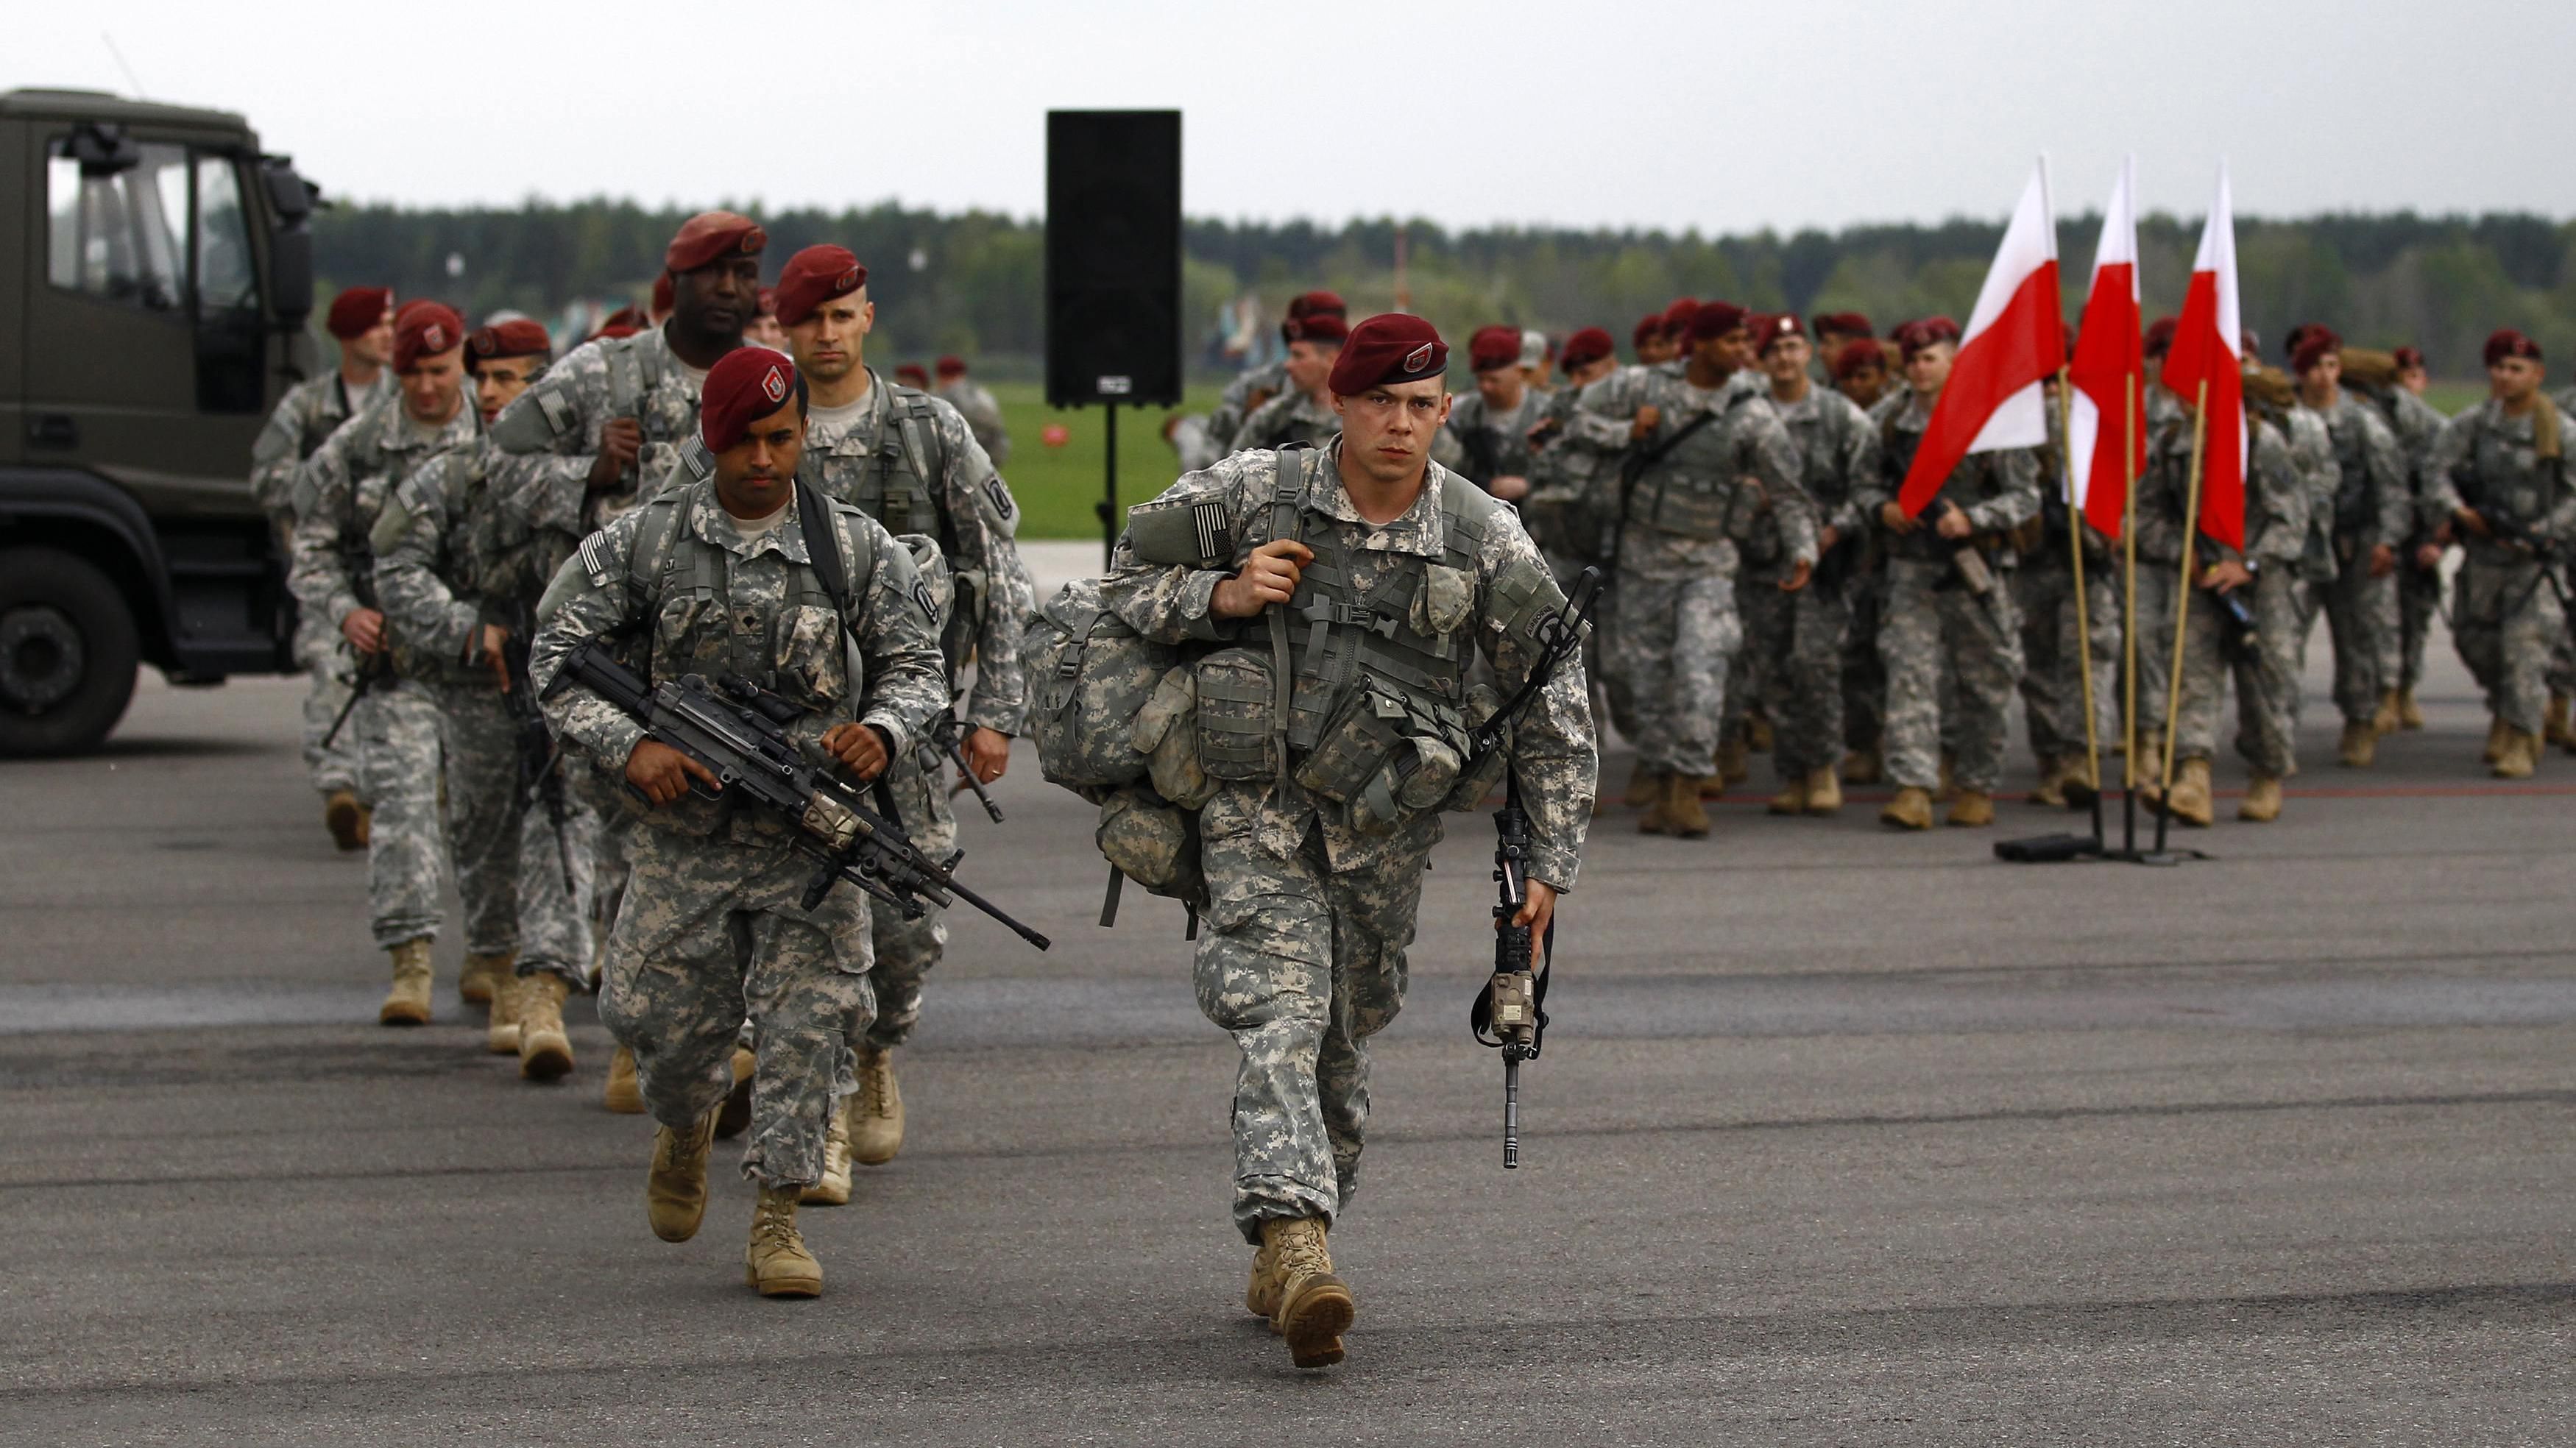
<point>2064,848</point>
<point>2048,849</point>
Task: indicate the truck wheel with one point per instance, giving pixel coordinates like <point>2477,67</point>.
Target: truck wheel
<point>67,653</point>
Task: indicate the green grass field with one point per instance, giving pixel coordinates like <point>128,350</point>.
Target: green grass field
<point>1058,487</point>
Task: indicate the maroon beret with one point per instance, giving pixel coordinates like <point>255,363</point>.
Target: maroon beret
<point>1716,319</point>
<point>814,276</point>
<point>1322,327</point>
<point>1677,317</point>
<point>2160,335</point>
<point>1648,327</point>
<point>2506,342</point>
<point>746,385</point>
<point>2313,345</point>
<point>1850,324</point>
<point>1389,347</point>
<point>1589,345</point>
<point>518,337</point>
<point>665,293</point>
<point>710,237</point>
<point>950,366</point>
<point>624,322</point>
<point>1913,337</point>
<point>357,310</point>
<point>2407,357</point>
<point>1776,327</point>
<point>1856,354</point>
<point>1308,304</point>
<point>425,329</point>
<point>768,304</point>
<point>1492,348</point>
<point>911,375</point>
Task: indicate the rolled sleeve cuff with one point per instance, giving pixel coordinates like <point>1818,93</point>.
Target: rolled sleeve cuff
<point>1555,868</point>
<point>894,728</point>
<point>1198,604</point>
<point>612,742</point>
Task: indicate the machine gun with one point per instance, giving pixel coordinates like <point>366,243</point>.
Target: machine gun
<point>737,731</point>
<point>1509,1012</point>
<point>539,779</point>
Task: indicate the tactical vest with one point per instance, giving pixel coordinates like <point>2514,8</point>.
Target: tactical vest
<point>1696,492</point>
<point>2510,477</point>
<point>2355,511</point>
<point>1965,488</point>
<point>895,485</point>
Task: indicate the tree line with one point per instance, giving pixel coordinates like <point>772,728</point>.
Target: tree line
<point>973,283</point>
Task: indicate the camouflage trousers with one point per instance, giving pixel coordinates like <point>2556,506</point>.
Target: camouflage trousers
<point>1798,638</point>
<point>1676,639</point>
<point>2362,620</point>
<point>710,935</point>
<point>1937,634</point>
<point>1600,665</point>
<point>1864,677</point>
<point>2508,624</point>
<point>330,663</point>
<point>907,949</point>
<point>511,867</point>
<point>403,748</point>
<point>2419,602</point>
<point>1302,965</point>
<point>2052,691</point>
<point>2265,665</point>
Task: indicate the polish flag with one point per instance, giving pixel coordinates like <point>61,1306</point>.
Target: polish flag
<point>2108,413</point>
<point>2205,361</point>
<point>2015,341</point>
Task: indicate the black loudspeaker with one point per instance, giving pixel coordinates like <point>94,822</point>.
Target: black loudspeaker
<point>1113,258</point>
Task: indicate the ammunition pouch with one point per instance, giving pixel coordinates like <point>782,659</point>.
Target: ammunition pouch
<point>1152,842</point>
<point>1386,755</point>
<point>1089,675</point>
<point>1234,723</point>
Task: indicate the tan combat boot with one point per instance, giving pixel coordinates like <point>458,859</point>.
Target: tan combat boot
<point>675,1192</point>
<point>1948,789</point>
<point>1654,821</point>
<point>1732,767</point>
<point>474,985</point>
<point>1791,800</point>
<point>2359,745</point>
<point>2078,784</point>
<point>2497,730</point>
<point>1645,789</point>
<point>345,818</point>
<point>2190,802</point>
<point>501,1033</point>
<point>1315,1307</point>
<point>2050,790</point>
<point>1910,810</point>
<point>407,1004</point>
<point>1862,766</point>
<point>2262,801</point>
<point>1261,1292</point>
<point>545,1049</point>
<point>775,1260</point>
<point>2385,719</point>
<point>833,1190</point>
<point>2553,722</point>
<point>876,1121</point>
<point>624,1094</point>
<point>1973,809</point>
<point>1682,809</point>
<point>734,1116</point>
<point>1824,792</point>
<point>2519,757</point>
<point>2410,715</point>
<point>2151,766</point>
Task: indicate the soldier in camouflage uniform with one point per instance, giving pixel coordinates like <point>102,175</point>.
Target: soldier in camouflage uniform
<point>716,576</point>
<point>976,404</point>
<point>1716,470</point>
<point>1380,575</point>
<point>1488,429</point>
<point>1860,375</point>
<point>1255,386</point>
<point>404,740</point>
<point>2368,516</point>
<point>460,576</point>
<point>2262,578</point>
<point>1802,630</point>
<point>1949,606</point>
<point>362,320</point>
<point>2372,377</point>
<point>909,461</point>
<point>2501,468</point>
<point>1304,413</point>
<point>1574,484</point>
<point>2052,691</point>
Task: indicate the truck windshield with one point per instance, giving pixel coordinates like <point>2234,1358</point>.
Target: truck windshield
<point>122,236</point>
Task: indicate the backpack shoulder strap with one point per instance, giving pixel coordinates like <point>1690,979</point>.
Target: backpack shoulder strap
<point>1287,498</point>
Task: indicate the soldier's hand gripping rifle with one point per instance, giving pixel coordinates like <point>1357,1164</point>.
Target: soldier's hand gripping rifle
<point>538,776</point>
<point>1509,1012</point>
<point>737,731</point>
<point>374,671</point>
<point>948,736</point>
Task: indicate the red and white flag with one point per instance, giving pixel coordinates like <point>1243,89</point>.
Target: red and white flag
<point>2108,413</point>
<point>2015,341</point>
<point>2205,366</point>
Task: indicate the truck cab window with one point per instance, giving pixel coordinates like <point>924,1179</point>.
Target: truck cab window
<point>232,339</point>
<point>121,236</point>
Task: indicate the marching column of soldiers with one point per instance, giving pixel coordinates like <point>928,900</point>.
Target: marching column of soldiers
<point>1354,611</point>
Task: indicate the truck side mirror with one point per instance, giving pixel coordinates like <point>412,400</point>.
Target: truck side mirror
<point>291,199</point>
<point>102,150</point>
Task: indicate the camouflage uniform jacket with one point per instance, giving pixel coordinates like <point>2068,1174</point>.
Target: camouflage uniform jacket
<point>549,436</point>
<point>1235,404</point>
<point>450,559</point>
<point>340,491</point>
<point>2370,503</point>
<point>1552,746</point>
<point>977,518</point>
<point>983,415</point>
<point>1998,491</point>
<point>721,601</point>
<point>1838,451</point>
<point>1493,444</point>
<point>2277,499</point>
<point>1289,417</point>
<point>2489,462</point>
<point>1747,439</point>
<point>305,418</point>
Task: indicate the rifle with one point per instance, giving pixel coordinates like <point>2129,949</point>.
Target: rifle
<point>1508,1013</point>
<point>538,776</point>
<point>373,669</point>
<point>737,730</point>
<point>948,733</point>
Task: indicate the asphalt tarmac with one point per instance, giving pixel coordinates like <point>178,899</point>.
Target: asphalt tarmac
<point>1840,1136</point>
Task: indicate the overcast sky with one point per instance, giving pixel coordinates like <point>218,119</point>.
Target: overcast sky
<point>1573,112</point>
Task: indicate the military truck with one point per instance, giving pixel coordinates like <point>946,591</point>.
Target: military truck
<point>155,277</point>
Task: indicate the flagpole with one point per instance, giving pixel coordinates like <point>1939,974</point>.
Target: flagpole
<point>2182,607</point>
<point>2083,620</point>
<point>2129,625</point>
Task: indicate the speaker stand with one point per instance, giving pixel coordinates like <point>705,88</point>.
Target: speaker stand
<point>1108,505</point>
